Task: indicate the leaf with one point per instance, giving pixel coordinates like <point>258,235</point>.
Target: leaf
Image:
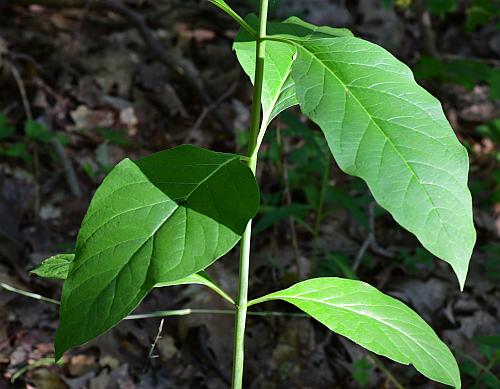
<point>56,267</point>
<point>37,131</point>
<point>201,278</point>
<point>228,10</point>
<point>273,215</point>
<point>464,72</point>
<point>160,219</point>
<point>383,127</point>
<point>278,92</point>
<point>16,150</point>
<point>442,7</point>
<point>6,130</point>
<point>375,321</point>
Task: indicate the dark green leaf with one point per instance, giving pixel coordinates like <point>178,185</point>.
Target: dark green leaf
<point>6,130</point>
<point>58,267</point>
<point>16,150</point>
<point>54,267</point>
<point>163,218</point>
<point>37,131</point>
<point>441,7</point>
<point>274,215</point>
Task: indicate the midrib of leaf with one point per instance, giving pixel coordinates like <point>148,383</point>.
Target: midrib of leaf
<point>266,120</point>
<point>375,318</point>
<point>163,221</point>
<point>203,181</point>
<point>220,166</point>
<point>371,118</point>
<point>123,213</point>
<point>146,240</point>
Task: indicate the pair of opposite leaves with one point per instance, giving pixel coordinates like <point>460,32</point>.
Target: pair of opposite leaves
<point>170,215</point>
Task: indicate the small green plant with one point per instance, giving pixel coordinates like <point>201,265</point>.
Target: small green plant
<point>163,219</point>
<point>35,134</point>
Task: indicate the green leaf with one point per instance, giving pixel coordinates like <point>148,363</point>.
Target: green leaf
<point>362,371</point>
<point>56,267</point>
<point>201,278</point>
<point>383,127</point>
<point>160,219</point>
<point>227,9</point>
<point>442,7</point>
<point>37,131</point>
<point>278,89</point>
<point>480,13</point>
<point>275,214</point>
<point>6,130</point>
<point>464,72</point>
<point>375,321</point>
<point>17,150</point>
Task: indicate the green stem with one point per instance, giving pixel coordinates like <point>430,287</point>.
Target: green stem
<point>241,310</point>
<point>228,10</point>
<point>319,211</point>
<point>152,315</point>
<point>192,311</point>
<point>27,294</point>
<point>258,83</point>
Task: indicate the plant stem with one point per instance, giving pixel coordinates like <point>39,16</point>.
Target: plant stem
<point>192,311</point>
<point>27,294</point>
<point>156,314</point>
<point>241,303</point>
<point>319,211</point>
<point>378,363</point>
<point>258,82</point>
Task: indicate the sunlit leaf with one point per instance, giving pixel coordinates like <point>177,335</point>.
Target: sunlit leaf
<point>383,127</point>
<point>375,321</point>
<point>278,88</point>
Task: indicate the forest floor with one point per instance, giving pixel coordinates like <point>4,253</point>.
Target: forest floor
<point>82,88</point>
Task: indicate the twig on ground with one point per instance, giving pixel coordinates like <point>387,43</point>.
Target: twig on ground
<point>211,107</point>
<point>370,238</point>
<point>29,115</point>
<point>153,345</point>
<point>428,37</point>
<point>180,65</point>
<point>20,85</point>
<point>69,171</point>
<point>370,241</point>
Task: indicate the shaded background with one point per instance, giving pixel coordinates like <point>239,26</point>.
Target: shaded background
<point>85,83</point>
